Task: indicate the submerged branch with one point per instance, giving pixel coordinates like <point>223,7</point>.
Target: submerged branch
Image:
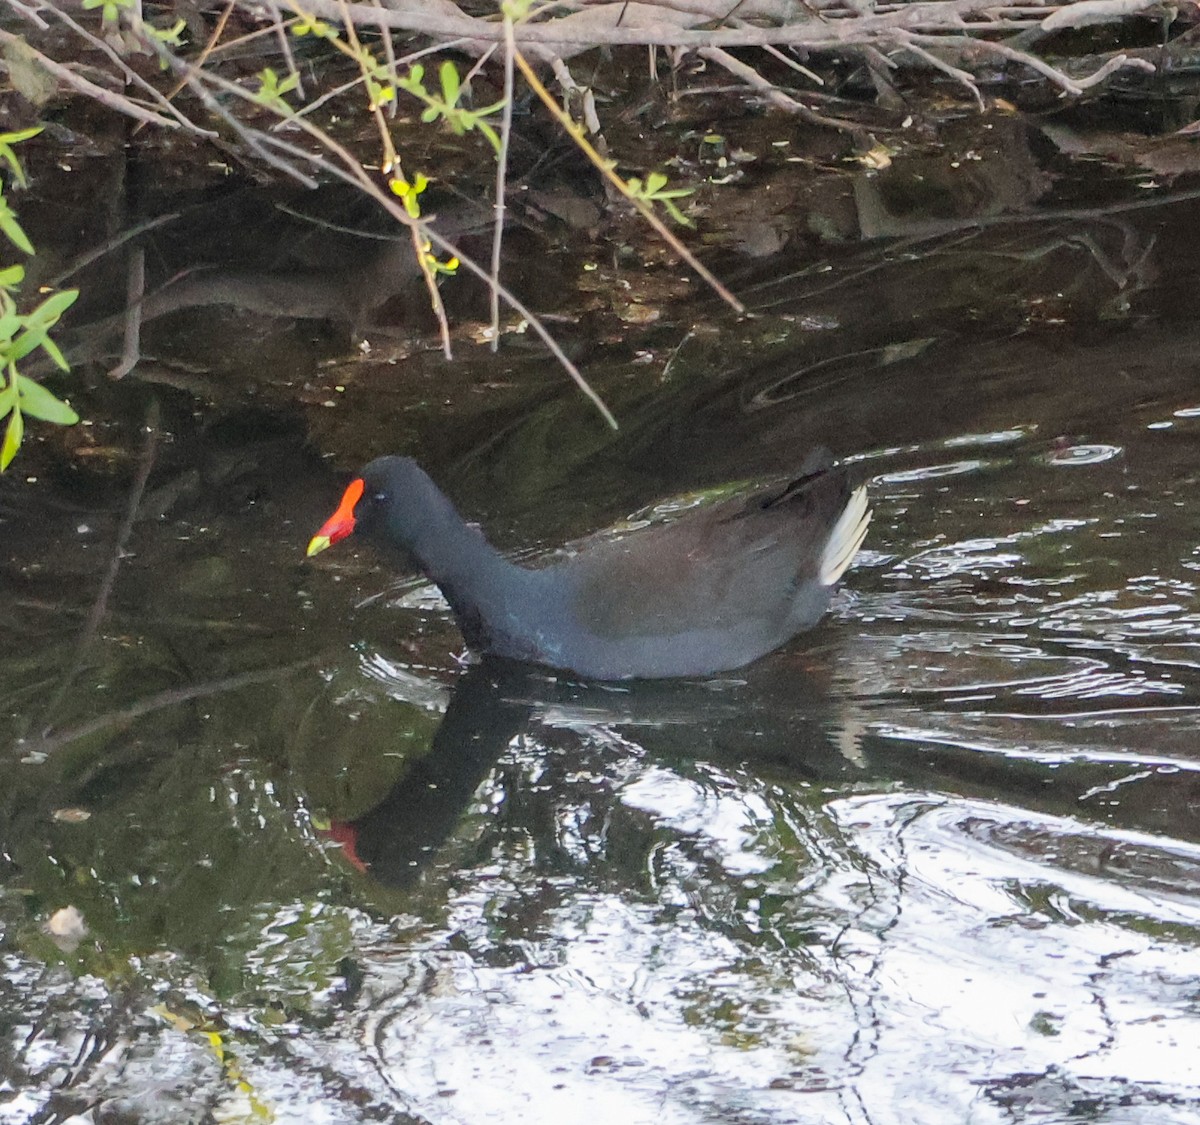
<point>37,748</point>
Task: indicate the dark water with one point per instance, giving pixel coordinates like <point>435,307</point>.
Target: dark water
<point>937,861</point>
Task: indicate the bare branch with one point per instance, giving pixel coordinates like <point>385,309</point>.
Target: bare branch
<point>510,51</point>
<point>107,248</point>
<point>350,170</point>
<point>1084,13</point>
<point>107,98</point>
<point>1071,85</point>
<point>135,293</point>
<point>285,47</point>
<point>129,75</point>
<point>939,64</point>
<point>605,167</point>
<point>772,93</point>
<point>28,13</point>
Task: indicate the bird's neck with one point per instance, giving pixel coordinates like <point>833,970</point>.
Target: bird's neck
<point>477,581</point>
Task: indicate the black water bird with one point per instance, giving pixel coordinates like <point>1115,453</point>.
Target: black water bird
<point>708,592</point>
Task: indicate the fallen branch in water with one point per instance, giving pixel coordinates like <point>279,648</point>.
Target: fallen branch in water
<point>100,606</point>
<point>34,750</point>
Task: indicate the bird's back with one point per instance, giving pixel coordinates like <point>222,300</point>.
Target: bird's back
<point>710,591</point>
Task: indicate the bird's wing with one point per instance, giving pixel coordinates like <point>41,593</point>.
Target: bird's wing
<point>740,560</point>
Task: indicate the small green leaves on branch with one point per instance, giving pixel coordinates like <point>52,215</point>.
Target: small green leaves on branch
<point>378,79</point>
<point>445,105</point>
<point>12,229</point>
<point>7,140</point>
<point>435,265</point>
<point>272,88</point>
<point>21,334</point>
<point>33,328</point>
<point>20,396</point>
<point>651,192</point>
<point>409,192</point>
<point>310,25</point>
<point>167,36</point>
<point>110,9</point>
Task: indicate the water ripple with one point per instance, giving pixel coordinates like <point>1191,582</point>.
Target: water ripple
<point>1081,454</point>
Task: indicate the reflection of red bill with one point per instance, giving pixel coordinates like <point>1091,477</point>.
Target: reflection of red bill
<point>345,835</point>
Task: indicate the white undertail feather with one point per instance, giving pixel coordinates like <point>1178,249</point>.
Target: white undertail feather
<point>846,537</point>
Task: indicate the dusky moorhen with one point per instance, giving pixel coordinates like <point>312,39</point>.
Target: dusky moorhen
<point>708,592</point>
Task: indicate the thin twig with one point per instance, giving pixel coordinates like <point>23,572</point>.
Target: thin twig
<point>392,169</point>
<point>285,47</point>
<point>135,293</point>
<point>480,63</point>
<point>213,40</point>
<point>1117,62</point>
<point>243,39</point>
<point>405,60</point>
<point>776,53</point>
<point>1070,85</point>
<point>257,141</point>
<point>954,72</point>
<point>100,605</point>
<point>605,168</point>
<point>316,103</point>
<point>389,54</point>
<point>118,102</point>
<point>29,13</point>
<point>350,170</point>
<point>131,76</point>
<point>48,743</point>
<point>436,48</point>
<point>771,92</point>
<point>501,176</point>
<point>114,243</point>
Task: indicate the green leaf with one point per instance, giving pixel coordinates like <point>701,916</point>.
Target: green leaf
<point>490,133</point>
<point>60,360</point>
<point>12,440</point>
<point>38,402</point>
<point>37,326</point>
<point>272,88</point>
<point>48,312</point>
<point>25,343</point>
<point>19,136</point>
<point>7,154</point>
<point>171,36</point>
<point>451,87</point>
<point>12,277</point>
<point>10,226</point>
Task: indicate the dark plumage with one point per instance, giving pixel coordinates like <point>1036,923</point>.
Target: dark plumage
<point>710,591</point>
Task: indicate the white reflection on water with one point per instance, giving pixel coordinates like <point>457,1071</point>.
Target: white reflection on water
<point>953,947</point>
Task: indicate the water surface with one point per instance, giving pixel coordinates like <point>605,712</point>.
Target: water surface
<point>936,861</point>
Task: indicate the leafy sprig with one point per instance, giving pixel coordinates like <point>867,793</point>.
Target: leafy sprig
<point>23,333</point>
<point>445,107</point>
<point>652,192</point>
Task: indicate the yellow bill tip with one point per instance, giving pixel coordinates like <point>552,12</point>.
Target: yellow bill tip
<point>317,544</point>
